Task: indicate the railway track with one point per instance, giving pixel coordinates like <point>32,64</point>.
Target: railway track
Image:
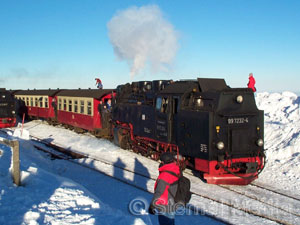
<point>252,194</point>
<point>257,184</point>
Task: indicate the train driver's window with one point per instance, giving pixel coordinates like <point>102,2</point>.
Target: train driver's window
<point>164,105</point>
<point>158,103</point>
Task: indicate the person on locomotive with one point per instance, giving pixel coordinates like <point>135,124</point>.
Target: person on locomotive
<point>163,202</point>
<point>99,83</point>
<point>251,83</point>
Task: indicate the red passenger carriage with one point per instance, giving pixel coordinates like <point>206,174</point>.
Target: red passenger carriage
<point>86,109</point>
<point>37,103</point>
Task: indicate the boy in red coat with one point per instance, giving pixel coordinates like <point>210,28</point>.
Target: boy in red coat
<point>251,83</point>
<point>163,203</point>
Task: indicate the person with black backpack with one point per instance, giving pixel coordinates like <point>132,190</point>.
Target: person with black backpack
<point>168,190</point>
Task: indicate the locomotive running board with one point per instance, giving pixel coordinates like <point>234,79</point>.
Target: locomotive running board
<point>228,179</point>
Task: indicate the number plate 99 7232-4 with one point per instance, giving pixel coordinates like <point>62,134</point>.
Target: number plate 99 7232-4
<point>239,120</point>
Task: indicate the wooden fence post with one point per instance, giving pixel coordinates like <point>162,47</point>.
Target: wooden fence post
<point>15,159</point>
<point>16,162</point>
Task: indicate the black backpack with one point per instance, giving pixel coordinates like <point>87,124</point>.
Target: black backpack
<point>183,194</point>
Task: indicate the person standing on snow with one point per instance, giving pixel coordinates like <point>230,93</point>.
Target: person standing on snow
<point>163,202</point>
<point>251,83</point>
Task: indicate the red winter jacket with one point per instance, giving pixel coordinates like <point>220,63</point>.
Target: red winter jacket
<point>163,199</point>
<point>251,83</point>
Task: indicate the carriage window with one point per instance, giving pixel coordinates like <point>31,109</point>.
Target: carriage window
<point>27,101</point>
<point>59,104</point>
<point>46,102</point>
<point>36,102</point>
<point>41,102</point>
<point>65,105</point>
<point>31,101</point>
<point>75,106</point>
<point>81,106</point>
<point>89,108</point>
<point>70,105</point>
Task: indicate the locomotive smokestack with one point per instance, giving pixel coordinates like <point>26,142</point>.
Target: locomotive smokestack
<point>141,36</point>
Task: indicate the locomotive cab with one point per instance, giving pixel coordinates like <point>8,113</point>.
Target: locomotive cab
<point>237,144</point>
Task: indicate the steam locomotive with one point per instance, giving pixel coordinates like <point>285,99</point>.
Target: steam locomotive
<point>215,129</point>
<point>211,128</point>
<point>7,109</point>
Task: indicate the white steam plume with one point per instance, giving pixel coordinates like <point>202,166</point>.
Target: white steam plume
<point>141,35</point>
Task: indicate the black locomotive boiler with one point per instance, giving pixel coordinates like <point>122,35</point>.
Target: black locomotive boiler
<point>215,129</point>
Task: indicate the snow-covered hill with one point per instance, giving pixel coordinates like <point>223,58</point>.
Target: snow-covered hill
<point>282,139</point>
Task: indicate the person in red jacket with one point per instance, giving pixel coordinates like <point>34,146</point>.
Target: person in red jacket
<point>251,83</point>
<point>99,83</point>
<point>163,203</point>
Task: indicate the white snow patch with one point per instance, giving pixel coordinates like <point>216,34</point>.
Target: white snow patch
<point>21,132</point>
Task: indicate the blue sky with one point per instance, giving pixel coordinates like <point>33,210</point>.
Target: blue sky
<point>65,43</point>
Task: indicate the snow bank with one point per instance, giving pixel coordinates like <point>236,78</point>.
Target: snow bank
<point>282,138</point>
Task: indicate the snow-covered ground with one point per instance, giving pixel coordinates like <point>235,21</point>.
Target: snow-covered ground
<point>61,192</point>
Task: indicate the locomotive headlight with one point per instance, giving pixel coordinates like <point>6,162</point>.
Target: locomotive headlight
<point>239,99</point>
<point>260,142</point>
<point>13,112</point>
<point>220,145</point>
